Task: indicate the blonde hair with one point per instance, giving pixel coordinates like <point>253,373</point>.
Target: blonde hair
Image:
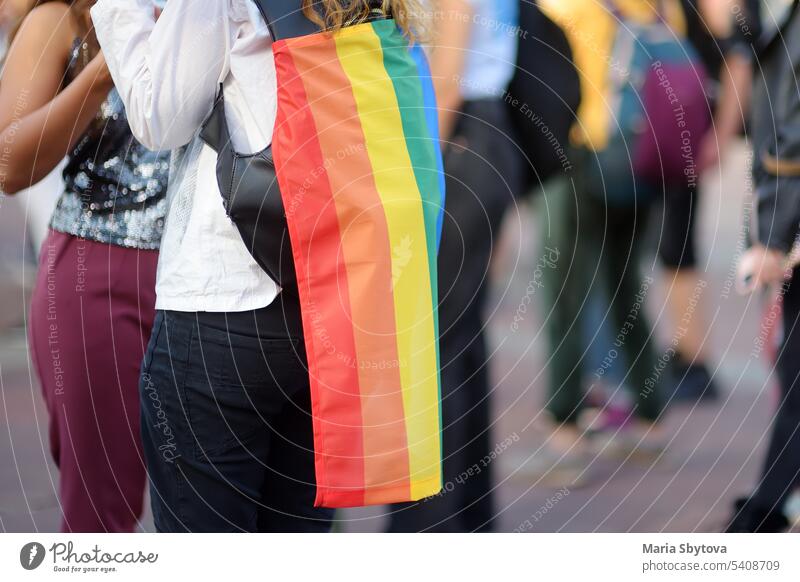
<point>333,15</point>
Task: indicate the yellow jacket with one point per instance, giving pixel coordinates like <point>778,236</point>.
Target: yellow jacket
<point>591,29</point>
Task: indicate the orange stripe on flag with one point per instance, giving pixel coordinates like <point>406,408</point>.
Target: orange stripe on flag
<point>366,248</point>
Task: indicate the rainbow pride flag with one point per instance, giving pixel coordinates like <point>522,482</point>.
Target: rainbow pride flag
<point>359,168</point>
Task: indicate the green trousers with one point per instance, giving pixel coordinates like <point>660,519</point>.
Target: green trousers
<point>598,248</point>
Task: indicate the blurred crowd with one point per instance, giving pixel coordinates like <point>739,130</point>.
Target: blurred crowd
<point>603,115</point>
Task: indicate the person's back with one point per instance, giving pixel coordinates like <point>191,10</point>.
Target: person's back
<point>231,362</point>
<point>202,253</point>
<point>592,28</point>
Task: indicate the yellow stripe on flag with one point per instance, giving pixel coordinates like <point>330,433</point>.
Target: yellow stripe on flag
<point>416,341</point>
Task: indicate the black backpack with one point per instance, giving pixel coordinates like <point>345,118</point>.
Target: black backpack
<point>543,96</point>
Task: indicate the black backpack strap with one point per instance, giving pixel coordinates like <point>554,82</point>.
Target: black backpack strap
<point>215,131</point>
<point>285,18</point>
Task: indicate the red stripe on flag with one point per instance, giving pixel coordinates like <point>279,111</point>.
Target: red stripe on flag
<point>308,200</point>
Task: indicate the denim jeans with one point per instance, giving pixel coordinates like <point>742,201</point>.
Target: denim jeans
<point>226,425</point>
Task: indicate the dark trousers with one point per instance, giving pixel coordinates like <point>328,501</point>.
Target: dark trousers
<point>781,473</point>
<point>482,174</point>
<point>677,244</point>
<point>226,424</point>
<point>598,246</point>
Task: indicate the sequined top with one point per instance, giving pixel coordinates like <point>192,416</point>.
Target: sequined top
<point>114,187</point>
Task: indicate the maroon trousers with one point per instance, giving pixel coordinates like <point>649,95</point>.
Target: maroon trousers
<point>91,314</point>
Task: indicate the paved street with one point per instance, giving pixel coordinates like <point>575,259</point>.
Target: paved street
<point>714,453</point>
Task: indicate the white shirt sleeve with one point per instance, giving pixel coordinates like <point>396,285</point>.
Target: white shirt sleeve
<point>166,72</point>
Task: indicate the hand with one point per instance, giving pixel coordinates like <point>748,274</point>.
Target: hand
<point>761,266</point>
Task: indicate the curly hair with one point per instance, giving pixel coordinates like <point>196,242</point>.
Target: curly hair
<point>335,14</point>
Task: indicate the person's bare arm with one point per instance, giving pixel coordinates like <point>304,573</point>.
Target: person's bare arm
<point>721,17</point>
<point>452,32</point>
<point>734,103</point>
<point>731,111</point>
<point>717,16</point>
<point>39,125</point>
